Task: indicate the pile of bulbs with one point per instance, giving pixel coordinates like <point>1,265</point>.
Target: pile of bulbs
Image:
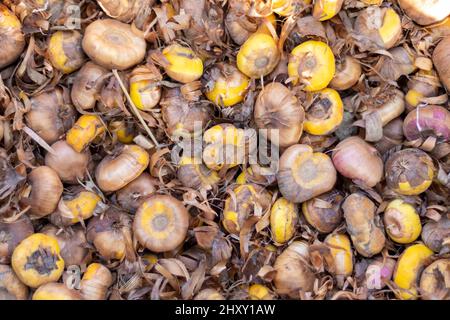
<point>98,202</point>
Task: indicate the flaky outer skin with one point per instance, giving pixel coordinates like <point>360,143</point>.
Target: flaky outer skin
<point>359,213</point>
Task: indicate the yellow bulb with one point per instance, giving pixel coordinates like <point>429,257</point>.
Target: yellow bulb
<point>312,63</point>
<point>326,9</point>
<point>259,292</point>
<point>258,56</point>
<point>283,220</point>
<point>229,89</point>
<point>224,145</point>
<point>64,51</point>
<point>37,260</point>
<point>183,64</point>
<point>390,27</point>
<point>402,222</point>
<point>145,96</point>
<point>83,206</point>
<point>326,114</point>
<point>341,251</point>
<point>408,269</point>
<point>84,131</point>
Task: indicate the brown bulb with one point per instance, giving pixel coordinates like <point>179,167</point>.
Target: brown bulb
<point>46,190</point>
<point>192,173</point>
<point>305,174</point>
<point>11,233</point>
<point>238,24</point>
<point>70,165</point>
<point>433,281</point>
<point>87,85</point>
<point>278,109</point>
<point>133,194</point>
<point>51,114</point>
<point>110,234</point>
<point>11,288</point>
<point>399,63</point>
<point>72,243</point>
<point>348,72</point>
<point>324,212</point>
<point>161,223</point>
<point>355,159</point>
<point>409,171</point>
<point>362,225</point>
<point>117,170</point>
<point>180,114</point>
<point>293,271</point>
<point>435,235</point>
<point>113,44</point>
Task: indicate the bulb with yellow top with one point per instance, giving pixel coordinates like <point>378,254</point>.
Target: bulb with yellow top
<point>37,260</point>
<point>183,65</point>
<point>283,220</point>
<point>402,222</point>
<point>224,146</point>
<point>161,223</point>
<point>192,173</point>
<point>312,64</point>
<point>75,208</point>
<point>341,255</point>
<point>326,113</point>
<point>408,269</point>
<point>145,91</point>
<point>381,26</point>
<point>84,131</point>
<point>259,55</point>
<point>64,51</point>
<point>226,85</point>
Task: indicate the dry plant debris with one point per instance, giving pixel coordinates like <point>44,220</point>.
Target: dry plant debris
<point>319,139</point>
